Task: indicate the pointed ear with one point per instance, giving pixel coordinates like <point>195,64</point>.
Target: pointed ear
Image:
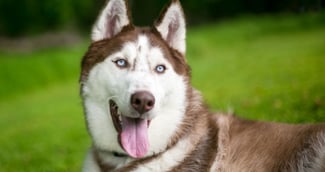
<point>111,21</point>
<point>172,27</point>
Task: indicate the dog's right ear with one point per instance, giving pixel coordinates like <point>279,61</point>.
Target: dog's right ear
<point>113,18</point>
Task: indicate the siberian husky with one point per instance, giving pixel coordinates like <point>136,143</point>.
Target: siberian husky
<point>143,114</point>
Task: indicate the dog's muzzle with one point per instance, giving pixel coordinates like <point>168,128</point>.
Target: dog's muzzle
<point>133,131</point>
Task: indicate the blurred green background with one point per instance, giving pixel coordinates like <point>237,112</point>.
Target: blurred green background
<point>263,59</point>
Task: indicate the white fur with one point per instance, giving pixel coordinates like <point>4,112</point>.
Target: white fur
<point>173,27</point>
<point>107,81</point>
<point>223,141</point>
<point>90,165</point>
<point>169,159</point>
<point>106,26</point>
<point>96,95</point>
<point>315,163</point>
<point>320,149</point>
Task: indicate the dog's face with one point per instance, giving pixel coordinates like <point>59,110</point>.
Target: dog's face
<point>133,81</point>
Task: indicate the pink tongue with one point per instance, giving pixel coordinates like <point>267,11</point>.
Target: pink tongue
<point>134,136</point>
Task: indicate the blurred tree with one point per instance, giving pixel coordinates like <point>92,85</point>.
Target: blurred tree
<point>85,12</point>
<point>144,12</point>
<point>33,16</point>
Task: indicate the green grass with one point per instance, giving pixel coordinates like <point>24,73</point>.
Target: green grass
<point>266,68</point>
<point>43,131</point>
<point>41,119</point>
<point>21,72</point>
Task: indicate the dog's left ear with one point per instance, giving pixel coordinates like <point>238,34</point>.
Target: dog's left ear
<point>172,27</point>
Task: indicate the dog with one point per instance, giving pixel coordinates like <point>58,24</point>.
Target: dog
<point>143,114</point>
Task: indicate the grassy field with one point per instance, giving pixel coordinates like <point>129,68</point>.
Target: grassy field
<point>266,68</point>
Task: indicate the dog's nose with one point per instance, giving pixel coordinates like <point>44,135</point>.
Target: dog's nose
<point>142,101</point>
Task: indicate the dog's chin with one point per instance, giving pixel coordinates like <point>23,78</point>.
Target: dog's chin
<point>132,131</point>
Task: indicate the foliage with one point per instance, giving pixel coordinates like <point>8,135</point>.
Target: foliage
<point>266,68</point>
<point>210,10</point>
<point>34,16</point>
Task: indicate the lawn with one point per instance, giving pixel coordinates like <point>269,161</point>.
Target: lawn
<point>266,68</point>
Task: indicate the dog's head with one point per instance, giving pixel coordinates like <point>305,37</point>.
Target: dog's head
<point>134,80</point>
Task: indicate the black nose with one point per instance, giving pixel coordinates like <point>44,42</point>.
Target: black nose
<point>142,101</point>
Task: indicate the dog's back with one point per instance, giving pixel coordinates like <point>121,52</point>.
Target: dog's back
<point>264,146</point>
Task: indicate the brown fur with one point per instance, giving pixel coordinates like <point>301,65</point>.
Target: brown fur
<point>266,146</point>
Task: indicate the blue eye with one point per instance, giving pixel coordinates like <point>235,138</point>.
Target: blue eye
<point>121,63</point>
<point>160,69</point>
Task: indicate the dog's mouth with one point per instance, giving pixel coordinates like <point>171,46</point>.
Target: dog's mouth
<point>132,132</point>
